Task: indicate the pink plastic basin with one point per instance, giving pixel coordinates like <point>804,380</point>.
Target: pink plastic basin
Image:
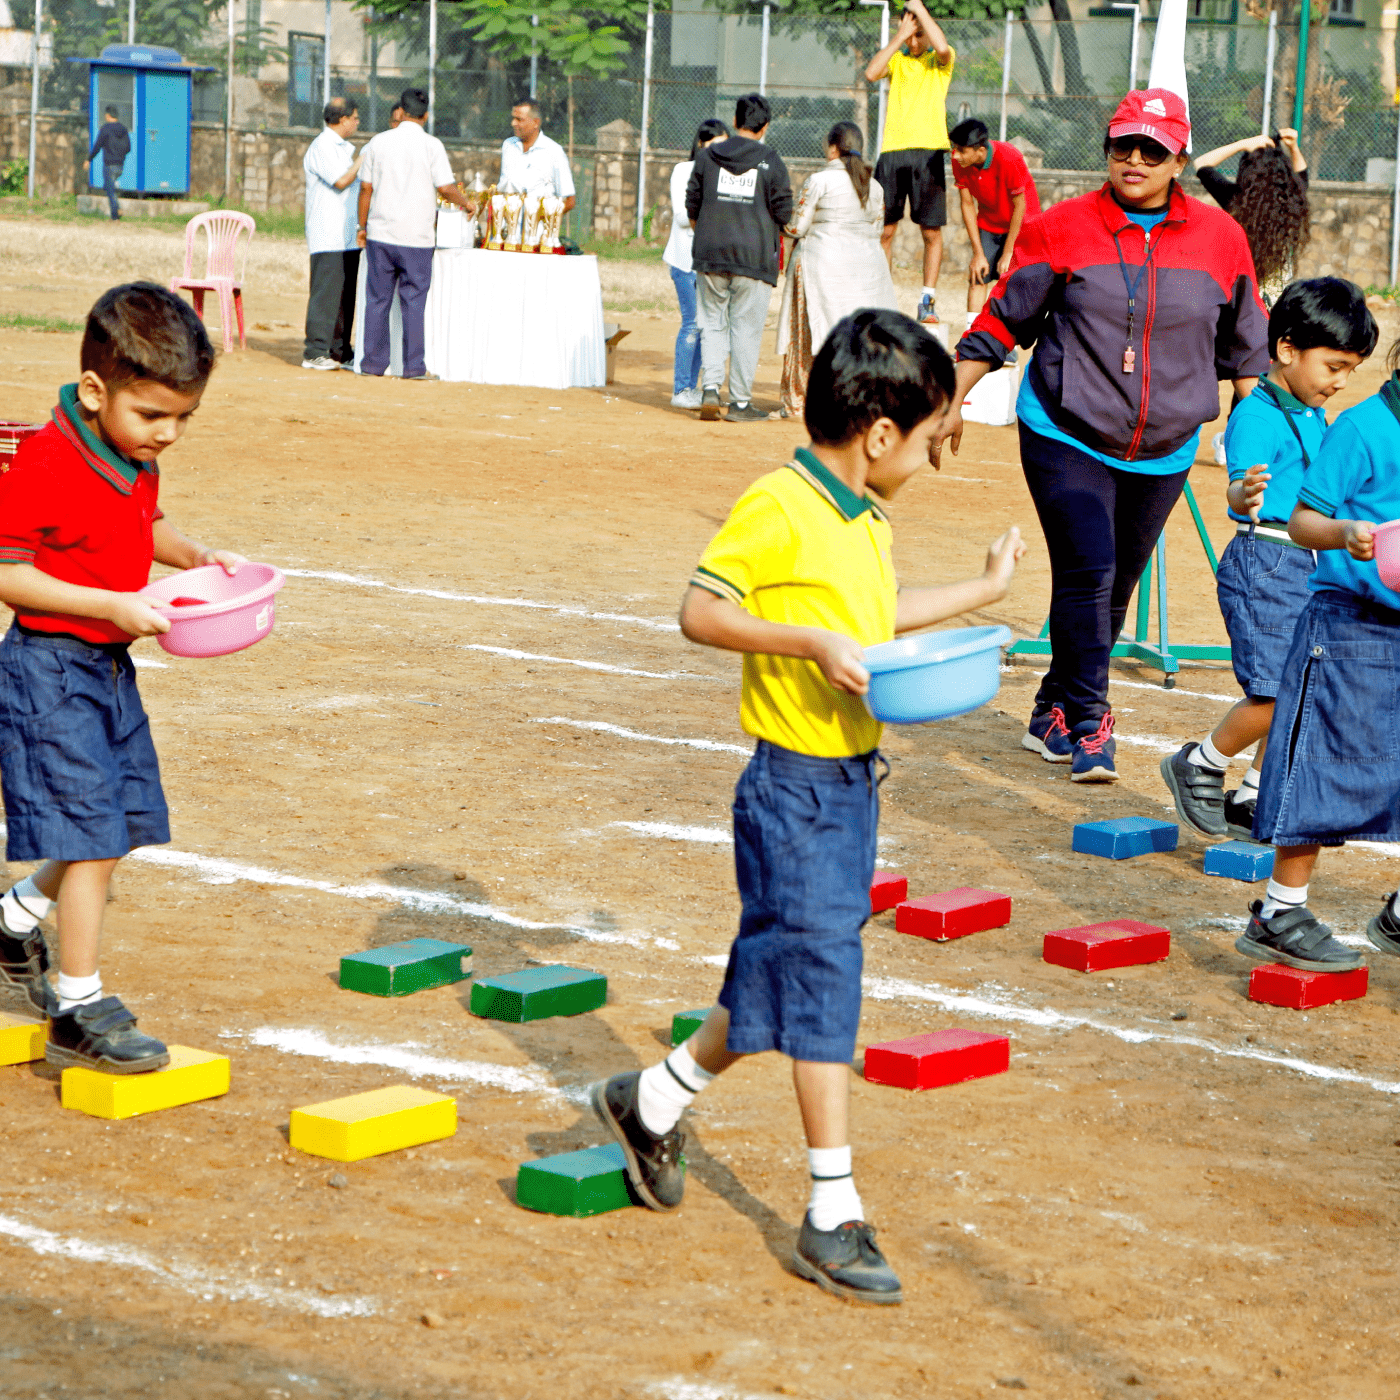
<point>1386,550</point>
<point>235,613</point>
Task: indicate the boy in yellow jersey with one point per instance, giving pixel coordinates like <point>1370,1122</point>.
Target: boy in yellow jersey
<point>915,141</point>
<point>800,579</point>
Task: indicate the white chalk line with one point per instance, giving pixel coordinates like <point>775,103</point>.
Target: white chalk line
<point>668,831</point>
<point>894,989</point>
<point>511,654</point>
<point>205,1284</point>
<point>359,581</point>
<point>213,870</point>
<point>710,745</point>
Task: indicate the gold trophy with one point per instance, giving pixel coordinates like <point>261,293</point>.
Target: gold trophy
<point>514,215</point>
<point>552,215</point>
<point>496,221</point>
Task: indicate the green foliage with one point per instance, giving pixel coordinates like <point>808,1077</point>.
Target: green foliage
<point>14,176</point>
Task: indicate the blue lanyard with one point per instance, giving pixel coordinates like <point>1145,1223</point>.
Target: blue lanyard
<point>1129,355</point>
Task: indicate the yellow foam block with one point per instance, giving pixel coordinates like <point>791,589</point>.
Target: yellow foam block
<point>190,1076</point>
<point>20,1040</point>
<point>365,1125</point>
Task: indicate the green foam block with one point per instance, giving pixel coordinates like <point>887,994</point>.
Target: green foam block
<point>684,1024</point>
<point>590,1182</point>
<point>539,992</point>
<point>407,967</point>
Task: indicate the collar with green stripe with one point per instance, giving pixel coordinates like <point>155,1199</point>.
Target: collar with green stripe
<point>826,483</point>
<point>1390,394</point>
<point>1280,396</point>
<point>118,471</point>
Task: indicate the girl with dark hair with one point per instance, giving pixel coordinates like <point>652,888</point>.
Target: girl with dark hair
<point>685,390</point>
<point>835,265</point>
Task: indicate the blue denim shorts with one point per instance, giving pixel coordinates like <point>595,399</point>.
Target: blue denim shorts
<point>1262,586</point>
<point>79,770</point>
<point>1332,769</point>
<point>804,853</point>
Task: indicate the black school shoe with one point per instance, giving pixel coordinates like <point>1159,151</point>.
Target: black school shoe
<point>1295,937</point>
<point>847,1262</point>
<point>1239,814</point>
<point>24,959</point>
<point>1384,929</point>
<point>1199,793</point>
<point>102,1035</point>
<point>653,1163</point>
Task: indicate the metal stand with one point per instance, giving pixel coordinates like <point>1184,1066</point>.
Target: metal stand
<point>1161,656</point>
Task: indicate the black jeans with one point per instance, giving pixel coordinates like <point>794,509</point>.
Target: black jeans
<point>1101,525</point>
<point>330,309</point>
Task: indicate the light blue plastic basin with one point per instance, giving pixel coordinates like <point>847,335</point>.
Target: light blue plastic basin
<point>935,675</point>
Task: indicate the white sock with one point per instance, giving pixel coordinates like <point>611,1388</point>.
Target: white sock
<point>930,293</point>
<point>1278,897</point>
<point>668,1089</point>
<point>78,991</point>
<point>1206,755</point>
<point>24,906</point>
<point>834,1197</point>
<point>1249,787</point>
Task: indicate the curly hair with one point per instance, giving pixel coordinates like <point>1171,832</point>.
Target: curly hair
<point>1272,208</point>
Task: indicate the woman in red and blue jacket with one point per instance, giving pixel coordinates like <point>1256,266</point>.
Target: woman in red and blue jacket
<point>1139,300</point>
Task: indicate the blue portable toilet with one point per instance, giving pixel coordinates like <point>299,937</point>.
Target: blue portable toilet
<point>150,88</point>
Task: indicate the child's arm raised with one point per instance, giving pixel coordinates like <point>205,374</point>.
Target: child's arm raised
<point>1313,530</point>
<point>181,552</point>
<point>922,607</point>
<point>22,586</point>
<point>717,622</point>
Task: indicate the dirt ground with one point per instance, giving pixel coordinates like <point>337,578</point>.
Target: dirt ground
<point>1174,1192</point>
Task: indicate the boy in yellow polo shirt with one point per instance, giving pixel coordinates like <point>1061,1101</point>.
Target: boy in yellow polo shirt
<point>800,579</point>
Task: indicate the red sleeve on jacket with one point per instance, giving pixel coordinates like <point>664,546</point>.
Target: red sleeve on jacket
<point>1017,306</point>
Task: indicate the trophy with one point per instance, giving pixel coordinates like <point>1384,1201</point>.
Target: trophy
<point>496,220</point>
<point>533,226</point>
<point>514,215</point>
<point>552,214</point>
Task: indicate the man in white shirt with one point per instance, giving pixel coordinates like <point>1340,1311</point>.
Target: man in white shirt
<point>332,167</point>
<point>404,172</point>
<point>531,161</point>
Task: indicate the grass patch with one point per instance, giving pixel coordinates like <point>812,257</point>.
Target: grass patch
<point>22,321</point>
<point>624,249</point>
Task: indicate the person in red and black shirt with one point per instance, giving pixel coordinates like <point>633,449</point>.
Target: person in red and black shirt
<point>998,195</point>
<point>1138,300</point>
<point>79,528</point>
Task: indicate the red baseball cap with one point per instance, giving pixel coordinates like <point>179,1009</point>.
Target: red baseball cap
<point>1154,112</point>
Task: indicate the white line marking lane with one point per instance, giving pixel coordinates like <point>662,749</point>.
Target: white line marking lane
<point>711,745</point>
<point>511,654</point>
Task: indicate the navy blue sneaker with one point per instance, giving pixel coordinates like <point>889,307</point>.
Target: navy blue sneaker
<point>1092,761</point>
<point>926,315</point>
<point>1048,735</point>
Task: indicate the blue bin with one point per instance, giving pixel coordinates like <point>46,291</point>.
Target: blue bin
<point>936,675</point>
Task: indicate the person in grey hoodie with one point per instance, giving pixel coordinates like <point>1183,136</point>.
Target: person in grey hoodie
<point>738,198</point>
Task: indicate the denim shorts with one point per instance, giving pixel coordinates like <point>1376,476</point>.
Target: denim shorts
<point>79,770</point>
<point>804,853</point>
<point>1332,769</point>
<point>1262,586</point>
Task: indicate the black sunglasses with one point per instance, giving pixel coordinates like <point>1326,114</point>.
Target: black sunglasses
<point>1152,152</point>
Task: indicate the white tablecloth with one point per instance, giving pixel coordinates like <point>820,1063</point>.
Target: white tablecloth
<point>507,318</point>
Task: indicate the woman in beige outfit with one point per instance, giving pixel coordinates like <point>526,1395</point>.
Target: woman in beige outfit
<point>836,265</point>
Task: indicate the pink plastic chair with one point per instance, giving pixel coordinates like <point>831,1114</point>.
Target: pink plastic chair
<point>222,228</point>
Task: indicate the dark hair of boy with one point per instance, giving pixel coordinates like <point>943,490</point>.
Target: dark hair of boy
<point>710,128</point>
<point>110,111</point>
<point>849,143</point>
<point>338,108</point>
<point>875,364</point>
<point>970,134</point>
<point>141,331</point>
<point>752,112</point>
<point>1323,311</point>
<point>413,102</point>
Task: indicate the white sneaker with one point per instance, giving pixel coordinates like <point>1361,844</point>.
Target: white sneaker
<point>687,398</point>
<point>321,362</point>
<point>1217,445</point>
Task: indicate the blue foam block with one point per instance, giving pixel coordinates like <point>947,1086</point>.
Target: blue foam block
<point>1240,860</point>
<point>1125,836</point>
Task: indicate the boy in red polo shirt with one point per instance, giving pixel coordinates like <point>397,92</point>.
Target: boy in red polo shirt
<point>998,196</point>
<point>79,527</point>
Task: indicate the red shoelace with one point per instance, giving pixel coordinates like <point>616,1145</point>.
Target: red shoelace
<point>1094,742</point>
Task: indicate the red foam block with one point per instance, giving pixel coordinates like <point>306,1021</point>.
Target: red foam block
<point>953,914</point>
<point>886,890</point>
<point>1277,985</point>
<point>944,1057</point>
<point>1096,947</point>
